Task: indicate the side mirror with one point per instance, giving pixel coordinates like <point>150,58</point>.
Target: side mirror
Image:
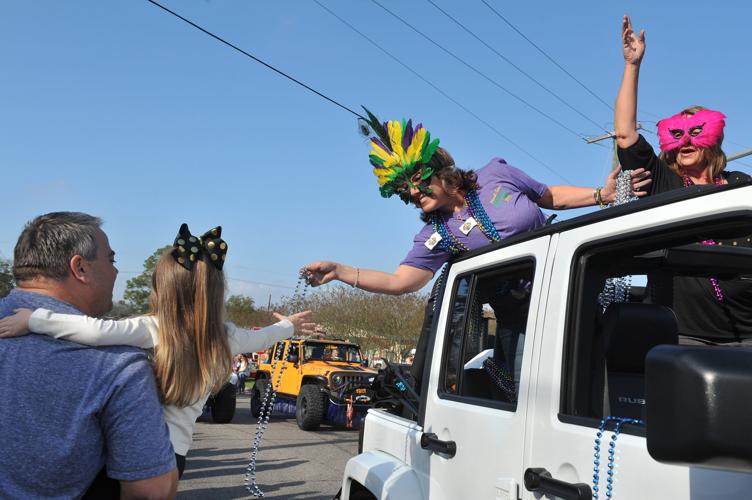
<point>293,358</point>
<point>697,410</point>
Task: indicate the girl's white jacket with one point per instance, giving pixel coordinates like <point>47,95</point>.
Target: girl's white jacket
<point>141,331</point>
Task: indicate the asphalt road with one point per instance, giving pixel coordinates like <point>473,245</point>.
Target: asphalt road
<point>292,464</point>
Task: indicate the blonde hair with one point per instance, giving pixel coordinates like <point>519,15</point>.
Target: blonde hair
<point>193,354</point>
<point>714,157</point>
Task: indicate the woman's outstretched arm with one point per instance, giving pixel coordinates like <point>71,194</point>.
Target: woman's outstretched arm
<point>625,112</point>
<point>405,279</point>
<point>563,197</point>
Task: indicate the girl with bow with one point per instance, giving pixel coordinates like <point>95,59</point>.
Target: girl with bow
<point>186,328</point>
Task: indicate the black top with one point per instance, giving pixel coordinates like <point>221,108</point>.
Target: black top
<point>698,311</point>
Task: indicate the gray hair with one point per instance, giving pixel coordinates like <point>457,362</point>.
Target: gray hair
<point>49,242</point>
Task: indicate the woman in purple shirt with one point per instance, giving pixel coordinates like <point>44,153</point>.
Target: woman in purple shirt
<point>462,209</point>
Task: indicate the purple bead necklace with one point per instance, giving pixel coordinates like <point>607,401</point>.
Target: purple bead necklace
<point>713,281</point>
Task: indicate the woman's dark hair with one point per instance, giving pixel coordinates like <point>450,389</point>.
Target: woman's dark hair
<point>452,178</point>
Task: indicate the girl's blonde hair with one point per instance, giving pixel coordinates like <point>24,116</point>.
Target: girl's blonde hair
<point>193,354</point>
<point>714,157</point>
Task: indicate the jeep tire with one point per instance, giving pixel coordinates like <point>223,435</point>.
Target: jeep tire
<point>223,407</point>
<point>310,407</point>
<point>257,397</point>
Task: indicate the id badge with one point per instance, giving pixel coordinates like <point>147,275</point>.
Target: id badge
<point>468,226</point>
<point>432,241</point>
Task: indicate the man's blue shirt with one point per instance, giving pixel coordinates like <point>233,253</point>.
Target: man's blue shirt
<point>68,410</point>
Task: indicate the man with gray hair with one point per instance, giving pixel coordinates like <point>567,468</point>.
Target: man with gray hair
<point>99,407</point>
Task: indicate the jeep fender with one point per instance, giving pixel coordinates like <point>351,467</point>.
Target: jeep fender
<point>314,379</point>
<point>386,477</point>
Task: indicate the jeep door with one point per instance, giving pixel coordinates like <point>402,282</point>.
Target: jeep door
<point>592,367</point>
<point>481,373</point>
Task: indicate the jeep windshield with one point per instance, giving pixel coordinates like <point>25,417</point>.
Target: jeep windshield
<point>331,352</point>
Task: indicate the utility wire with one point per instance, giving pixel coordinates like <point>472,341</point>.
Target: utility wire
<point>254,58</point>
<point>440,91</point>
<point>478,72</point>
<point>570,75</point>
<point>508,61</point>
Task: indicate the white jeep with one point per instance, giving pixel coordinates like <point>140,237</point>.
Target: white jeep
<point>524,361</point>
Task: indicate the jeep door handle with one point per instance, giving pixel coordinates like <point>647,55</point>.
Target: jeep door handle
<point>539,480</point>
<point>429,441</point>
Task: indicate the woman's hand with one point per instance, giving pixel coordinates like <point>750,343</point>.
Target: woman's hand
<point>634,47</point>
<point>640,179</point>
<point>320,273</point>
<point>16,325</point>
<point>302,322</point>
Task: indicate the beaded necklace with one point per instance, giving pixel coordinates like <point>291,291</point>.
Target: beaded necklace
<point>611,453</point>
<point>270,391</point>
<point>449,242</point>
<point>717,290</point>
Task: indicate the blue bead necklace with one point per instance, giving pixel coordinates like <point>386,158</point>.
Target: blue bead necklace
<point>611,453</point>
<point>449,242</point>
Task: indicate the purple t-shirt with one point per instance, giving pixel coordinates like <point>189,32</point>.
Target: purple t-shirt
<point>510,198</point>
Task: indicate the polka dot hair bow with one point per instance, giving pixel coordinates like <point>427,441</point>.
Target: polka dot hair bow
<point>188,249</point>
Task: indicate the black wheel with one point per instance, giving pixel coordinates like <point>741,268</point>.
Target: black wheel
<point>223,407</point>
<point>310,407</point>
<point>257,397</point>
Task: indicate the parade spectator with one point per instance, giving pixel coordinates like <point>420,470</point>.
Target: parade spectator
<point>244,370</point>
<point>100,409</point>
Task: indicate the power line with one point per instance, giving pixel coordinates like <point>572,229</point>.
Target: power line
<point>280,72</point>
<point>440,91</point>
<point>479,72</point>
<point>570,75</point>
<point>508,61</point>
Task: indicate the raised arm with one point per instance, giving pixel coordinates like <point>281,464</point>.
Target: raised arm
<point>243,340</point>
<point>405,279</point>
<point>625,112</point>
<point>140,331</point>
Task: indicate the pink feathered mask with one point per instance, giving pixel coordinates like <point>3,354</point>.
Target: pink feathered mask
<point>702,130</point>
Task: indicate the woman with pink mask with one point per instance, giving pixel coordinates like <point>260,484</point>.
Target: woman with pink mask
<point>710,311</point>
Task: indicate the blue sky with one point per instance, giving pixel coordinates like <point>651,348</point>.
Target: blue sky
<point>121,110</point>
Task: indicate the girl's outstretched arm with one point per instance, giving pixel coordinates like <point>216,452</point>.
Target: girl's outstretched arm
<point>243,340</point>
<point>140,331</point>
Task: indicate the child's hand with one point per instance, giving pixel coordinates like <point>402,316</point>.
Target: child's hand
<point>300,321</point>
<point>16,325</point>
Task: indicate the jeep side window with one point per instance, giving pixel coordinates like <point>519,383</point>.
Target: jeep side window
<point>293,351</point>
<point>454,336</point>
<point>613,324</point>
<point>279,350</point>
<point>487,334</point>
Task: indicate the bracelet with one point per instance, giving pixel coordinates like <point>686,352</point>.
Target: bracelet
<point>598,198</point>
<point>357,277</point>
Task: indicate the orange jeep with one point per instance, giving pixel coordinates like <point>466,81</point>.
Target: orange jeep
<point>322,380</point>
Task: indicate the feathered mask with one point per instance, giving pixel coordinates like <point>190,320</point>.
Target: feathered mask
<point>399,155</point>
<point>702,130</point>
